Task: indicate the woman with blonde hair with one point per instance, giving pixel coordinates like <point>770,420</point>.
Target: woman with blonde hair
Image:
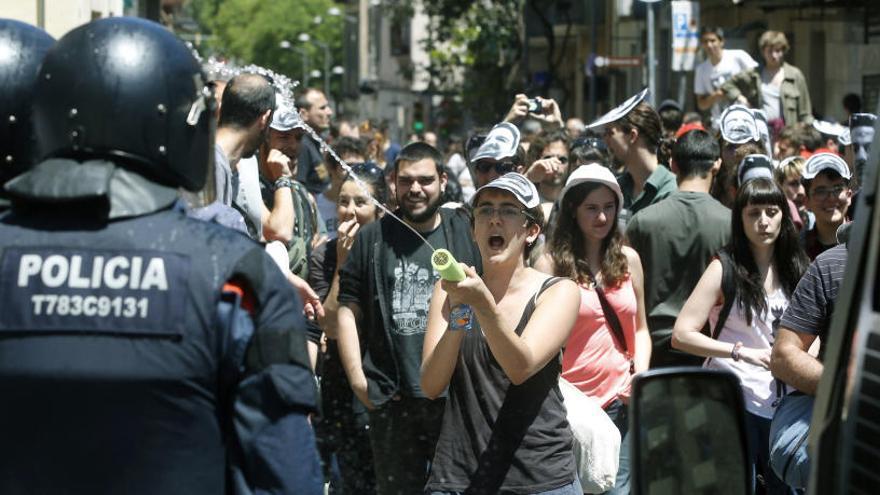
<point>788,175</point>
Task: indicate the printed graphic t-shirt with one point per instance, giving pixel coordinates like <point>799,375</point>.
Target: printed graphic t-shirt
<point>409,279</point>
<point>327,209</point>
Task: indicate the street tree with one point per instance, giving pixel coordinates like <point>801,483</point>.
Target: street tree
<point>267,32</point>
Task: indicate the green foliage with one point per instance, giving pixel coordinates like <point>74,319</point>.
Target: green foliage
<point>474,49</point>
<point>251,31</point>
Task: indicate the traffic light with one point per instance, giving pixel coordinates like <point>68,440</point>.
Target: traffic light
<point>418,117</point>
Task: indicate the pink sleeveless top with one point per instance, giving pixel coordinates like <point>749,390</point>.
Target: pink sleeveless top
<point>593,361</point>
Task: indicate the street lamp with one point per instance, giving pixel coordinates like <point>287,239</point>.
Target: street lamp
<point>305,38</point>
<point>337,12</point>
<point>287,45</point>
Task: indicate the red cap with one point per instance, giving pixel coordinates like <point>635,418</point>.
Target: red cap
<point>687,128</point>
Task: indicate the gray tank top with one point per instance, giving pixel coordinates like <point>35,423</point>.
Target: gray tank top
<point>498,437</point>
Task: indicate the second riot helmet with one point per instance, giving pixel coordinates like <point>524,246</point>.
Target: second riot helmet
<point>22,48</point>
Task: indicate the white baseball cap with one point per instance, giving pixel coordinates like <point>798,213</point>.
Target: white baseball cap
<point>593,172</point>
<point>825,161</point>
<point>286,117</point>
<point>518,185</point>
<point>753,167</point>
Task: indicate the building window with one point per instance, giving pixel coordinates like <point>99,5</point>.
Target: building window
<point>872,23</point>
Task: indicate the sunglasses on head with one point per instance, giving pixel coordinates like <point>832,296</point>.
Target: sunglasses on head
<point>366,169</point>
<point>590,142</point>
<point>500,167</point>
<point>474,142</point>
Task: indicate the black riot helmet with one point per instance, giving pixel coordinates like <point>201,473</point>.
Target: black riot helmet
<point>22,48</point>
<point>129,91</point>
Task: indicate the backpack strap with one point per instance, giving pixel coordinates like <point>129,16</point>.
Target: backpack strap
<point>728,291</point>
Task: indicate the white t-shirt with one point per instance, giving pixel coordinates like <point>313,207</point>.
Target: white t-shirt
<point>708,77</point>
<point>771,105</point>
<point>327,209</point>
<point>248,197</point>
<point>758,384</point>
<point>458,167</point>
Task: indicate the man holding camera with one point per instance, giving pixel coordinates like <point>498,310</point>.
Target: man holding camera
<point>549,165</point>
<point>543,109</point>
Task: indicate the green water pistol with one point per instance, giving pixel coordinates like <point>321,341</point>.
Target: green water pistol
<point>446,266</point>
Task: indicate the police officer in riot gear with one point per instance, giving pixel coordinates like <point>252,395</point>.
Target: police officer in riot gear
<point>141,351</point>
<point>24,47</point>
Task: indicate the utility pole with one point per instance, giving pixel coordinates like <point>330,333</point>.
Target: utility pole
<point>594,11</point>
<point>41,14</point>
<point>652,53</point>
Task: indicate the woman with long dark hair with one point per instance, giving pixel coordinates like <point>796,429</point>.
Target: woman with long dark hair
<point>610,339</point>
<point>765,264</point>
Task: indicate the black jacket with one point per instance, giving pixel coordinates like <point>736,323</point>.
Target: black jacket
<point>367,289</point>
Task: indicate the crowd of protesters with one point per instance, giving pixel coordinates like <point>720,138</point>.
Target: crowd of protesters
<point>663,223</point>
<point>592,252</point>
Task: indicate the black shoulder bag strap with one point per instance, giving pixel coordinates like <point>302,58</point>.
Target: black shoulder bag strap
<point>613,321</point>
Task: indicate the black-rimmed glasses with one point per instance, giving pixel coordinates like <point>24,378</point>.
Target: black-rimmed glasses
<point>506,213</point>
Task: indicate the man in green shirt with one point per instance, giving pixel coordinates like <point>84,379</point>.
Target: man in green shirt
<point>677,238</point>
<point>632,132</point>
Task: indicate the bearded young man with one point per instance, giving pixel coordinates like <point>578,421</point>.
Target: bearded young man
<point>384,293</point>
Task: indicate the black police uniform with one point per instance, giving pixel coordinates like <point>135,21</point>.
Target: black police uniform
<point>115,372</point>
<point>141,351</point>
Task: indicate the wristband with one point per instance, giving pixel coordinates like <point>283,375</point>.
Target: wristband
<point>461,318</point>
<point>283,181</point>
<point>734,353</point>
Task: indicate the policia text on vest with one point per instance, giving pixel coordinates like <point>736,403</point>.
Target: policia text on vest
<point>81,289</point>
